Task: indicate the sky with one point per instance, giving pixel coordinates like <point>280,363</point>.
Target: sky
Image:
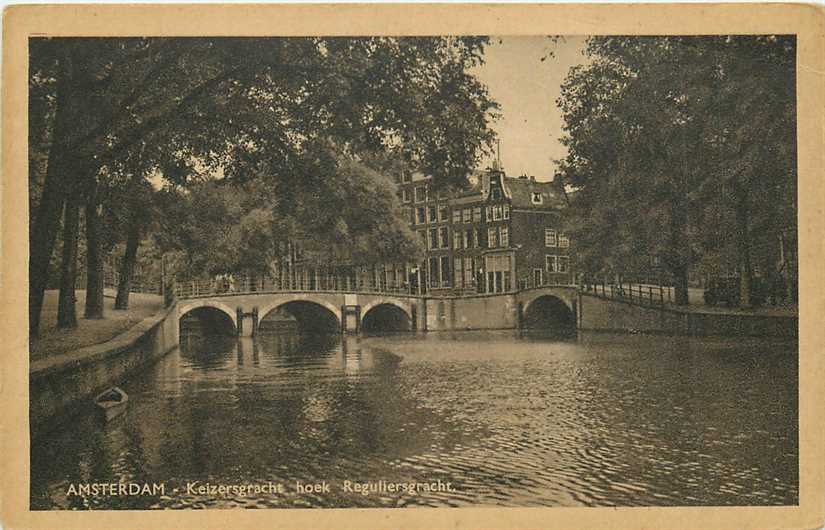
<point>526,88</point>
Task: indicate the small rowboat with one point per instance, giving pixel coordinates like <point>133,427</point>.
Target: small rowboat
<point>112,402</point>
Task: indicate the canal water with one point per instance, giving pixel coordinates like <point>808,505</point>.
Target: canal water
<point>505,419</point>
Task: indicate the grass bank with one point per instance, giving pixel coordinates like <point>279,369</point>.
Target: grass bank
<point>53,341</point>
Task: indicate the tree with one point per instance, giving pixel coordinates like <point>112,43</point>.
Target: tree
<point>134,222</point>
<point>339,211</point>
<point>659,147</point>
<point>217,105</point>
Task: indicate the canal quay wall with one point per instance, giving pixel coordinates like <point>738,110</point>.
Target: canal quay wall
<point>499,311</point>
<point>61,385</point>
<point>599,314</point>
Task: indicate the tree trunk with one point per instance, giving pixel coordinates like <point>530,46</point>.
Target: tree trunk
<point>66,314</point>
<point>127,268</point>
<point>94,260</point>
<point>46,219</point>
<point>744,247</point>
<point>41,244</point>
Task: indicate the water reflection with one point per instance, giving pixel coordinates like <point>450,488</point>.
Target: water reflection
<point>514,420</point>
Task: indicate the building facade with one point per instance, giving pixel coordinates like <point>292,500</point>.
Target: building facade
<point>502,234</point>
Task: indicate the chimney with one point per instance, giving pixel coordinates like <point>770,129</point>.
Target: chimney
<point>532,178</point>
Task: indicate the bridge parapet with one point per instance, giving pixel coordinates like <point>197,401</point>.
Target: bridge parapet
<point>247,304</point>
<point>186,289</point>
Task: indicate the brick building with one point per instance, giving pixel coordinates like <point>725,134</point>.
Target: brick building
<point>502,234</point>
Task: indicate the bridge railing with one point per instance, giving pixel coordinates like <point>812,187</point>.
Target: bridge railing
<point>244,285</point>
<point>641,294</point>
<point>228,285</point>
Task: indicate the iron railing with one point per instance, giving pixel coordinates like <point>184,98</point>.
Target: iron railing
<point>244,285</point>
<point>199,288</point>
<point>648,295</point>
<point>640,294</point>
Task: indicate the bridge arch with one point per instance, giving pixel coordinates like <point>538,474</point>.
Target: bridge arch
<point>534,294</point>
<point>212,305</point>
<point>311,313</point>
<point>385,314</point>
<point>549,312</point>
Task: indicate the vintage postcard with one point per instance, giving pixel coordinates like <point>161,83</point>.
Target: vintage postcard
<point>413,266</point>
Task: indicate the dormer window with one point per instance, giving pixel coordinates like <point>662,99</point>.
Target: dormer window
<point>537,198</point>
<point>496,193</point>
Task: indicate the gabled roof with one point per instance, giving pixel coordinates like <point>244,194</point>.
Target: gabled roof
<point>518,189</point>
<point>522,189</point>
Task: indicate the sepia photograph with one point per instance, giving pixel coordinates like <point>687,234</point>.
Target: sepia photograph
<point>395,271</point>
<point>445,270</point>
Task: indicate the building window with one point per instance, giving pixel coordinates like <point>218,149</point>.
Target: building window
<point>537,198</point>
<point>421,215</point>
<point>497,213</point>
<point>457,239</point>
<point>405,195</point>
<point>468,238</point>
<point>456,216</point>
<point>537,277</point>
<point>478,274</point>
<point>476,238</point>
<point>491,238</point>
<point>467,215</point>
<point>468,272</point>
<point>433,238</point>
<point>562,264</point>
<point>477,214</point>
<point>445,237</point>
<point>498,273</point>
<point>434,276</point>
<point>458,271</point>
<point>506,211</point>
<point>432,215</point>
<point>489,213</point>
<point>496,194</point>
<point>410,213</point>
<point>504,236</point>
<point>445,270</point>
<point>550,263</point>
<point>406,176</point>
<point>442,214</point>
<point>564,242</point>
<point>549,237</point>
<point>419,194</point>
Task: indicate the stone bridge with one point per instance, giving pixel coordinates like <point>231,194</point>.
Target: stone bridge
<point>351,312</point>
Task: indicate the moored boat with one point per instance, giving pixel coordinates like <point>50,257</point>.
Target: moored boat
<point>112,402</point>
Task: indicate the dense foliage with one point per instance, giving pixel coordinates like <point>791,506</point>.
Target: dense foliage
<point>297,116</point>
<point>681,149</point>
